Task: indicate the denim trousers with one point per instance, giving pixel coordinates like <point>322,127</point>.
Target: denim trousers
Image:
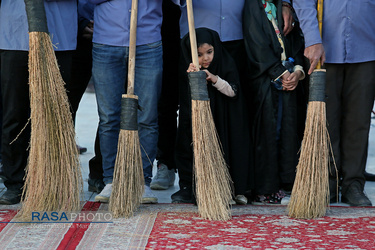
<point>110,73</point>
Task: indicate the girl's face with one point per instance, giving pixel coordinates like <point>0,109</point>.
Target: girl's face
<point>205,55</point>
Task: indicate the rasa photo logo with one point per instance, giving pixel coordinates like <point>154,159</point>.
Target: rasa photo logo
<point>65,217</point>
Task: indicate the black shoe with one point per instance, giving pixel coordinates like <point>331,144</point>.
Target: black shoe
<point>81,150</point>
<point>354,196</point>
<point>10,197</point>
<point>369,176</point>
<point>287,188</point>
<point>2,175</point>
<point>184,195</point>
<point>96,185</point>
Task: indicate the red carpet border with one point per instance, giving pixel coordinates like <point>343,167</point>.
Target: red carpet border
<point>177,226</point>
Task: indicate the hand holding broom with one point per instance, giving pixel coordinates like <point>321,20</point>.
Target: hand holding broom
<point>212,179</point>
<point>53,179</point>
<point>128,179</point>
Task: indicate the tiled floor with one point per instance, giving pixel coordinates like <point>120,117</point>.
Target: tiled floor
<point>86,125</point>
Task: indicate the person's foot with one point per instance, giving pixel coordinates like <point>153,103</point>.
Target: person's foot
<point>355,196</point>
<point>95,185</point>
<point>2,175</point>
<point>287,188</point>
<point>369,176</point>
<point>81,150</point>
<point>184,195</point>
<point>269,199</point>
<point>164,178</point>
<point>240,199</point>
<point>148,196</point>
<point>104,194</point>
<point>11,196</point>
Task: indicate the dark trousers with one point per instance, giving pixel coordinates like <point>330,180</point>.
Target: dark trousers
<point>1,118</point>
<point>81,73</point>
<point>16,112</point>
<point>350,91</point>
<point>168,102</point>
<point>95,163</point>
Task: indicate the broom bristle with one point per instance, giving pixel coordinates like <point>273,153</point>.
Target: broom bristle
<point>213,182</point>
<point>128,179</point>
<point>53,175</point>
<point>310,194</point>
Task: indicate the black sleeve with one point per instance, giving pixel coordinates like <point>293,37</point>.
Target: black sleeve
<point>262,46</point>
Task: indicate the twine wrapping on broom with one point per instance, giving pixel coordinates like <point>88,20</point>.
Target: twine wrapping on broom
<point>53,175</point>
<point>128,179</point>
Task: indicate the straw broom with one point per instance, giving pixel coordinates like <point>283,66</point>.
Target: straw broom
<point>213,182</point>
<point>310,194</point>
<point>128,180</point>
<point>53,175</point>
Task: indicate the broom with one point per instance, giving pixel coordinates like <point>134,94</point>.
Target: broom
<point>128,180</point>
<point>53,175</point>
<point>310,194</point>
<point>213,182</point>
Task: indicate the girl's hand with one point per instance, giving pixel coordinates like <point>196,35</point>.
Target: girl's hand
<point>290,81</point>
<point>210,77</point>
<point>192,68</point>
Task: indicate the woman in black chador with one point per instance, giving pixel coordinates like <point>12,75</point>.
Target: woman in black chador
<point>228,110</point>
<point>272,97</point>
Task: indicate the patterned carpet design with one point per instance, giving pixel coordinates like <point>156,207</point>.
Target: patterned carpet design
<point>178,226</point>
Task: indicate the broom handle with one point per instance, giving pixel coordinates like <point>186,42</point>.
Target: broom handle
<point>132,45</point>
<point>193,40</point>
<point>320,22</point>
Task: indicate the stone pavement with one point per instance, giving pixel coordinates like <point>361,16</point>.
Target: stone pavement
<point>86,125</point>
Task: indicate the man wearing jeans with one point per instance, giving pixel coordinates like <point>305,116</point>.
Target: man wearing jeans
<point>110,68</point>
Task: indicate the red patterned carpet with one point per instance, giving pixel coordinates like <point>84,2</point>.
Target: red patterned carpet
<point>187,231</point>
<point>177,226</point>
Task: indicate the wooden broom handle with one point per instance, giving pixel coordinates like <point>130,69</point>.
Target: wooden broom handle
<point>320,22</point>
<point>193,40</point>
<point>132,45</point>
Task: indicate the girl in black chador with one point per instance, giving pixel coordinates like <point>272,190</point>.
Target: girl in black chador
<point>228,110</point>
<point>274,104</point>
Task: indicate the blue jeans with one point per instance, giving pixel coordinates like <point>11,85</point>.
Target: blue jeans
<point>109,72</point>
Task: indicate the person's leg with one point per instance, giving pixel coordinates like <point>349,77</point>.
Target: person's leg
<point>95,180</point>
<point>109,72</point>
<point>358,99</point>
<point>1,125</point>
<point>15,90</point>
<point>15,100</point>
<point>168,103</point>
<point>334,85</point>
<point>148,77</point>
<point>80,75</point>
<point>184,149</point>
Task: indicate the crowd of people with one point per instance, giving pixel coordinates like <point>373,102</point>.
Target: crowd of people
<point>257,56</point>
